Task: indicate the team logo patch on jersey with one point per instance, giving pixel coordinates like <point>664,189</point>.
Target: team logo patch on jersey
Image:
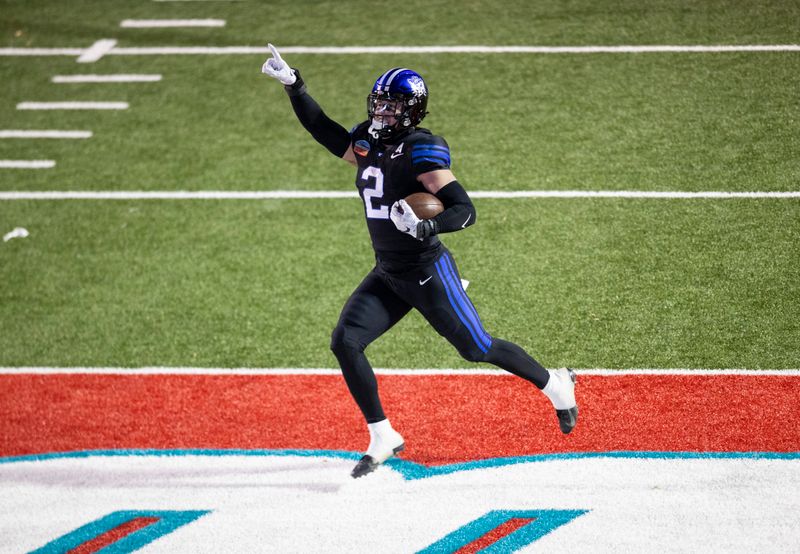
<point>361,147</point>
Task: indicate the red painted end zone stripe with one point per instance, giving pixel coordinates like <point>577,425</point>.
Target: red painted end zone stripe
<point>113,535</point>
<point>444,418</point>
<point>499,532</point>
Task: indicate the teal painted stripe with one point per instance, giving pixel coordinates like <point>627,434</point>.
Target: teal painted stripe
<point>411,470</point>
<point>545,521</point>
<point>168,521</point>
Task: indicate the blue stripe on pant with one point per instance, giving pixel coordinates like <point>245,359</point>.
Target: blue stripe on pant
<point>465,300</point>
<point>464,312</point>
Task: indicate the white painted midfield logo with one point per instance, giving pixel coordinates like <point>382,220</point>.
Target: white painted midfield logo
<point>397,153</point>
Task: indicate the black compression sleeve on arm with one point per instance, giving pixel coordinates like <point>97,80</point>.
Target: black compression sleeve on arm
<point>458,212</point>
<point>325,131</point>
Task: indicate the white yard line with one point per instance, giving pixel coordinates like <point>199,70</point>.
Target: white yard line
<point>172,195</point>
<point>631,194</point>
<point>622,49</point>
<point>42,51</point>
<point>118,78</point>
<point>72,106</point>
<point>299,194</point>
<point>43,134</point>
<point>337,50</point>
<point>97,50</point>
<point>162,23</point>
<point>27,164</point>
<point>379,371</point>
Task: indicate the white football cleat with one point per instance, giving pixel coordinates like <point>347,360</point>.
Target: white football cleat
<point>384,442</point>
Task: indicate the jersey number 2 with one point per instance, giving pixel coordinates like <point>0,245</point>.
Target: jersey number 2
<point>374,193</point>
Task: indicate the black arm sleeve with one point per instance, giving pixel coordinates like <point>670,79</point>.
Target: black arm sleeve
<point>325,131</point>
<point>458,213</point>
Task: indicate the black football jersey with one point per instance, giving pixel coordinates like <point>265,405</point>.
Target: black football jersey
<point>388,173</point>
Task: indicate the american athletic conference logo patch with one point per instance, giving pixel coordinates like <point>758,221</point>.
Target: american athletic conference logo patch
<point>361,147</point>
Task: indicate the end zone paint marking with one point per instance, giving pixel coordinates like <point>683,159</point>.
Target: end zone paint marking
<point>410,470</point>
<point>120,78</point>
<point>740,413</point>
<point>72,106</point>
<point>114,535</point>
<point>27,164</point>
<point>263,499</point>
<point>161,23</point>
<point>491,537</point>
<point>127,531</point>
<point>503,531</point>
<point>43,134</point>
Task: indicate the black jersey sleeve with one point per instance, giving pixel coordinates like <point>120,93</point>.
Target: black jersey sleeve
<point>325,131</point>
<point>429,154</point>
<point>356,129</point>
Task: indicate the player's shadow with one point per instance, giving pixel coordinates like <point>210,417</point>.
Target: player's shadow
<point>325,478</point>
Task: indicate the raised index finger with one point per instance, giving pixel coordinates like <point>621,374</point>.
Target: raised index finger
<point>275,53</point>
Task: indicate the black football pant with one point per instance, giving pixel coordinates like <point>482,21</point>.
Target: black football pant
<point>382,299</point>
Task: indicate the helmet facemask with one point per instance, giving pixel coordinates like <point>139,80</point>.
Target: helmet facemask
<point>387,113</point>
<point>397,103</point>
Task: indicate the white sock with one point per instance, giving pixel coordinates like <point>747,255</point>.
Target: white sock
<point>383,439</point>
<point>560,393</point>
<point>379,429</point>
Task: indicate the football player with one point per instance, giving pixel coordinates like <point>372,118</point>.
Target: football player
<point>394,158</point>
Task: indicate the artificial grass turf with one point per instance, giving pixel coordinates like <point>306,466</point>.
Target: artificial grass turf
<point>650,294</point>
<point>419,22</point>
<point>605,283</point>
<point>642,122</point>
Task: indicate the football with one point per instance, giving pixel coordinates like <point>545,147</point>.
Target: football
<point>424,204</point>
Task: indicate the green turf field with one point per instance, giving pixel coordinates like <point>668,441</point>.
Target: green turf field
<point>259,283</point>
